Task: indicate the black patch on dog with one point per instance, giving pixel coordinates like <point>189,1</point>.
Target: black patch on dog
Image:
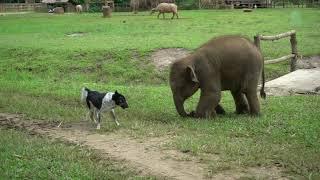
<point>95,98</point>
<point>120,100</point>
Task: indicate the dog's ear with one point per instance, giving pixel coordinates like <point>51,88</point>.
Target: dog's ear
<point>116,92</point>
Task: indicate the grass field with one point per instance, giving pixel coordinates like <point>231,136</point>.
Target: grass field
<point>43,69</point>
<point>28,157</point>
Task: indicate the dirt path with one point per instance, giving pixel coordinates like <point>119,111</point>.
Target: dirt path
<point>147,156</point>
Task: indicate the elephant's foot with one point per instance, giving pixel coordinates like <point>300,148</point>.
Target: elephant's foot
<point>254,113</point>
<point>192,114</point>
<point>219,110</point>
<point>242,110</point>
<point>204,115</point>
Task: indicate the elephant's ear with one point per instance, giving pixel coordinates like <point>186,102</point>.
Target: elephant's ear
<point>190,71</point>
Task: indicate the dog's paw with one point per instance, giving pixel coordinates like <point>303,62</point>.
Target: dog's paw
<point>98,126</point>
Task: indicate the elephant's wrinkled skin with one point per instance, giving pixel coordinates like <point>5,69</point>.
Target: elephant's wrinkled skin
<point>224,63</point>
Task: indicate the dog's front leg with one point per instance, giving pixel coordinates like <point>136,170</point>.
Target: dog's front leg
<point>114,117</point>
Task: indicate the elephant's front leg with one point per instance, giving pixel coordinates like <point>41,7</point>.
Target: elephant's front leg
<point>207,104</point>
<point>219,109</point>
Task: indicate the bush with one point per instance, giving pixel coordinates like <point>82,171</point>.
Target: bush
<point>75,2</point>
<point>95,7</point>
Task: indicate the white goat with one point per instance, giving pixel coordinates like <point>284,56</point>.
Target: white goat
<point>166,8</point>
<point>79,8</point>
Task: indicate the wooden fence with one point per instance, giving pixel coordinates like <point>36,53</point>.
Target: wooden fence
<point>294,50</point>
<point>5,7</point>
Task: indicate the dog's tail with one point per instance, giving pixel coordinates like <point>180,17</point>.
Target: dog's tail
<point>84,94</point>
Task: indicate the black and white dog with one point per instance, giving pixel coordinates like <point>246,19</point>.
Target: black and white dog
<point>99,102</point>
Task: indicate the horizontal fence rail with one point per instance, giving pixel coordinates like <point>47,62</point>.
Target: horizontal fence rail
<point>294,51</point>
<point>276,37</point>
<point>283,58</point>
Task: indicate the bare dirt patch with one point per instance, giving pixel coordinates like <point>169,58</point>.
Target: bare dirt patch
<point>147,156</point>
<point>162,58</point>
<point>251,173</point>
<point>305,80</point>
<point>309,62</point>
<point>302,81</point>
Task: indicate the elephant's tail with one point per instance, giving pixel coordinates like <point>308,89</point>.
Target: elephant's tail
<point>262,93</point>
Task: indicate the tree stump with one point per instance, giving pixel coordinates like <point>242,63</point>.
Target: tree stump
<point>106,10</point>
<point>58,10</point>
<point>135,6</point>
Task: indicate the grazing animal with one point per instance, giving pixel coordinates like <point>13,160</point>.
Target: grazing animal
<point>224,63</point>
<point>58,10</point>
<point>135,6</point>
<point>78,8</point>
<point>166,8</point>
<point>99,102</point>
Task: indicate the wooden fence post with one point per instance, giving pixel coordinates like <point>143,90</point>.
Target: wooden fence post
<point>294,50</point>
<point>257,41</point>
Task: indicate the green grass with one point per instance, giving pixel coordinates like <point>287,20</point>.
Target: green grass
<point>42,71</point>
<point>121,45</point>
<point>30,157</point>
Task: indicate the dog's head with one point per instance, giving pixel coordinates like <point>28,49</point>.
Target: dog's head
<point>120,100</point>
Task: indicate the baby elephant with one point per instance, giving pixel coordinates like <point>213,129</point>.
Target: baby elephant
<point>166,8</point>
<point>224,63</point>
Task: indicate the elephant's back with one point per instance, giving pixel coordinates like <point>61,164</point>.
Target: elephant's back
<point>226,50</point>
<point>236,59</point>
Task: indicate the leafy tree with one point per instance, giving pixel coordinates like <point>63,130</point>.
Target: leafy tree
<point>77,1</point>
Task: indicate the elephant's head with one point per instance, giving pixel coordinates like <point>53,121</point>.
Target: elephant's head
<point>183,82</point>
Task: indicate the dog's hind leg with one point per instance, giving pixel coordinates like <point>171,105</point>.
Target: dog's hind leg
<point>91,115</point>
<point>114,117</point>
<point>98,118</point>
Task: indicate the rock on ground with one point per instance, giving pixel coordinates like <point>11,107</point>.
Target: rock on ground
<point>302,81</point>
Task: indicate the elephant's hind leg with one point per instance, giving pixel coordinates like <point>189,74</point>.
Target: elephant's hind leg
<point>253,102</point>
<point>240,102</point>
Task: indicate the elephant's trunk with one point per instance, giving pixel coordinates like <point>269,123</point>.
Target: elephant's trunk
<point>178,102</point>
